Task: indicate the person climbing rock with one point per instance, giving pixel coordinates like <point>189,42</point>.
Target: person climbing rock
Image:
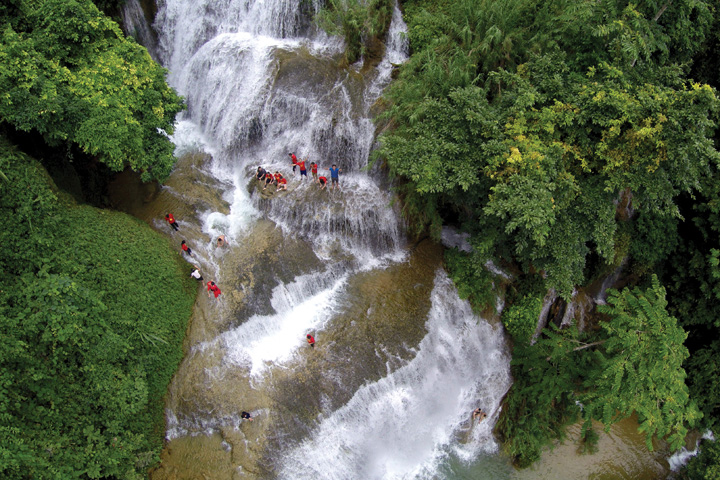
<point>323,182</point>
<point>171,220</point>
<point>195,273</point>
<point>311,340</point>
<point>294,161</point>
<point>246,416</point>
<point>185,248</point>
<point>213,288</point>
<point>335,176</point>
<point>479,414</point>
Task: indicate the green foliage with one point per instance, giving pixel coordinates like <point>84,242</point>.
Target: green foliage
<point>359,22</point>
<point>693,280</point>
<point>705,465</point>
<point>521,318</point>
<point>70,74</point>
<point>655,238</point>
<point>540,402</point>
<point>640,367</point>
<point>474,280</point>
<point>538,141</point>
<point>80,387</point>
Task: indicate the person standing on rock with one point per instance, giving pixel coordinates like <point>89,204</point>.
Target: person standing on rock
<point>171,220</point>
<point>335,176</point>
<point>303,170</point>
<point>313,170</point>
<point>294,161</point>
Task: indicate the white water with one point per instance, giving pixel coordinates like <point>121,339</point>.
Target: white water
<point>405,424</point>
<point>261,82</point>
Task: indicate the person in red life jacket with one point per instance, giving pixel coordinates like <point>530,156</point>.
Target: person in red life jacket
<point>171,220</point>
<point>213,288</point>
<point>185,248</point>
<point>277,176</point>
<point>294,161</point>
<point>301,166</point>
<point>311,340</point>
<point>323,182</point>
<point>313,170</point>
<point>268,179</point>
<point>282,184</point>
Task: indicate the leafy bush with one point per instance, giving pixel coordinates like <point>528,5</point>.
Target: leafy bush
<point>705,465</point>
<point>68,73</point>
<point>521,318</point>
<point>93,310</point>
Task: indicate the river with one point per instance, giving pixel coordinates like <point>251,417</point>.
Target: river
<point>400,361</point>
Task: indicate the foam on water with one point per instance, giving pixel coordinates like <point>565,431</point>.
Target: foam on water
<point>402,425</point>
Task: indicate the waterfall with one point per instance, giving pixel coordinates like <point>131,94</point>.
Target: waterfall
<point>137,26</point>
<point>260,82</point>
<point>404,424</point>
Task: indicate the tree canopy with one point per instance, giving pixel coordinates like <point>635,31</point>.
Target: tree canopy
<point>69,73</point>
<point>570,140</point>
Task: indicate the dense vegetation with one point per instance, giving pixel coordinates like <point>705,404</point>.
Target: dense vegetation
<point>572,139</point>
<point>93,308</point>
<point>93,303</point>
<point>68,73</point>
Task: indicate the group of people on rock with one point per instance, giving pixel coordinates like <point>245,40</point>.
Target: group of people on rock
<point>195,272</point>
<point>268,178</point>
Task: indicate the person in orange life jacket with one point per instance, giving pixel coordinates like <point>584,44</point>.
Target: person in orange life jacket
<point>310,340</point>
<point>185,248</point>
<point>301,166</point>
<point>334,175</point>
<point>323,182</point>
<point>268,179</point>
<point>213,288</point>
<point>294,161</point>
<point>171,220</point>
<point>282,184</point>
<point>313,170</point>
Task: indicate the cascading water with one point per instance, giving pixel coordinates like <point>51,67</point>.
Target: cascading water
<point>400,361</point>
